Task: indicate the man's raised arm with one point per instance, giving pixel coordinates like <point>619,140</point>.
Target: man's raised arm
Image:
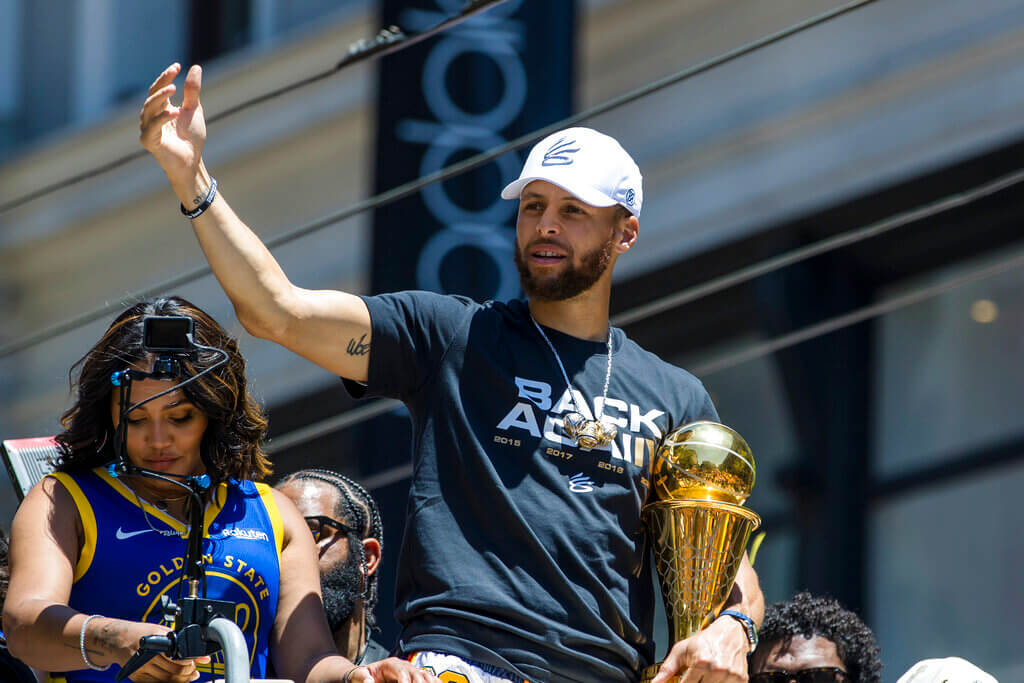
<point>329,328</point>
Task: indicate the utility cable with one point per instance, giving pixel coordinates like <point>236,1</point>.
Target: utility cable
<point>725,362</point>
<point>332,424</point>
<point>756,270</point>
<point>441,175</point>
<point>626,317</point>
<point>387,41</point>
<point>859,315</point>
<point>353,417</point>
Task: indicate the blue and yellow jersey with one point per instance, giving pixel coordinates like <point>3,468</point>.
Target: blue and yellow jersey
<point>134,553</point>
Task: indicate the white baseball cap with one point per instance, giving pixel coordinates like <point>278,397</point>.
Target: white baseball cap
<point>946,670</point>
<point>590,165</point>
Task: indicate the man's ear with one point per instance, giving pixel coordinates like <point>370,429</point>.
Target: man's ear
<point>371,546</point>
<point>629,231</point>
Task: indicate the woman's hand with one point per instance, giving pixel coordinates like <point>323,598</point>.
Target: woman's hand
<point>163,670</point>
<point>117,640</point>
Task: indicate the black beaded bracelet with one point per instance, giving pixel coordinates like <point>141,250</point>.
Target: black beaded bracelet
<point>198,211</point>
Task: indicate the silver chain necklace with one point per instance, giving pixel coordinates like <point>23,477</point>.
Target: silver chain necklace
<point>145,515</point>
<point>586,433</point>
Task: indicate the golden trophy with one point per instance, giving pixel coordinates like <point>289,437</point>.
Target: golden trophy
<point>701,476</point>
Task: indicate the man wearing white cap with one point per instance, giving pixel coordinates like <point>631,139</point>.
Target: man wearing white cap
<point>946,670</point>
<point>534,422</point>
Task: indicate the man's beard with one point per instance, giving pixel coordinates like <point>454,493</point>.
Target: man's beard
<point>571,282</point>
<point>342,588</point>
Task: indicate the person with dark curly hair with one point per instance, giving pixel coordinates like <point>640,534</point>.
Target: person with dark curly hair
<point>93,550</point>
<point>811,639</point>
<point>346,525</point>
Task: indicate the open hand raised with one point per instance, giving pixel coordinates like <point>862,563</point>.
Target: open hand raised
<point>174,135</point>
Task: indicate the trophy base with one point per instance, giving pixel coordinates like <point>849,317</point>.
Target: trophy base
<point>648,674</point>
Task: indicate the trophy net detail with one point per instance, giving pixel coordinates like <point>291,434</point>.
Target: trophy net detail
<point>698,547</point>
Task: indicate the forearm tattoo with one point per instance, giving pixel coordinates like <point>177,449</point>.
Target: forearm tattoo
<point>357,347</point>
<point>105,643</point>
<point>109,636</point>
<point>90,651</point>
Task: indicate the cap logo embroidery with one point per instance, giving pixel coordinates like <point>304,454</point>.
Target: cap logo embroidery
<point>558,153</point>
<point>630,197</point>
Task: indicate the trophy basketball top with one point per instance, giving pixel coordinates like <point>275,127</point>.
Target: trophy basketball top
<point>703,461</point>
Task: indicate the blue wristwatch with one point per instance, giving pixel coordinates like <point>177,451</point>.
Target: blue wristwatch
<point>748,625</point>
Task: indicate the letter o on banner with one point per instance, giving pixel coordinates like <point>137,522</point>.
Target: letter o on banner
<point>444,107</point>
<point>492,240</point>
<point>436,197</point>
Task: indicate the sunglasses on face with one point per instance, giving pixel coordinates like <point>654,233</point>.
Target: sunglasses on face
<point>824,674</point>
<point>321,526</point>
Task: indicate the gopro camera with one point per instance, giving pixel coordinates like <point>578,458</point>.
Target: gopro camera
<point>168,334</point>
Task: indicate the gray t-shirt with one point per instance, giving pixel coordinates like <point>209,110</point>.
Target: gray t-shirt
<point>521,549</point>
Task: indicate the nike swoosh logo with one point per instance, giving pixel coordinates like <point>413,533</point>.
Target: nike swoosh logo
<point>121,535</point>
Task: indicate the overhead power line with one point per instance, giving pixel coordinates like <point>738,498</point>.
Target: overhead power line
<point>843,239</point>
<point>344,420</point>
<point>859,315</point>
<point>725,362</point>
<point>353,417</point>
<point>441,175</point>
<point>387,41</point>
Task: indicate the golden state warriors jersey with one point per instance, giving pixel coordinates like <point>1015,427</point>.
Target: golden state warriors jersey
<point>134,554</point>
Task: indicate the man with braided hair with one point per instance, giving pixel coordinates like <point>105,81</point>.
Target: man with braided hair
<point>346,525</point>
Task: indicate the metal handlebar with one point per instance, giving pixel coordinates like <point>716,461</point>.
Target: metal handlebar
<point>203,628</point>
<point>232,642</point>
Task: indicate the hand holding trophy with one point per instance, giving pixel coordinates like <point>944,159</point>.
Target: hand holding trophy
<point>701,476</point>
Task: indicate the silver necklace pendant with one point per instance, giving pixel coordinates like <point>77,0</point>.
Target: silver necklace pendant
<point>586,433</point>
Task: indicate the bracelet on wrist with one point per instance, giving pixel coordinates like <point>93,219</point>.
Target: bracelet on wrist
<point>749,627</point>
<point>204,205</point>
<point>347,678</point>
<point>81,645</point>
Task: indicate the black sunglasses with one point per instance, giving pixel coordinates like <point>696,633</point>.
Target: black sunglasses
<point>823,674</point>
<point>321,525</point>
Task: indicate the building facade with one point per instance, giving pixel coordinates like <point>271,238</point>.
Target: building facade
<point>876,380</point>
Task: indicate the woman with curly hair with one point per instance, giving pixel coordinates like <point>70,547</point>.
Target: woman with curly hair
<point>812,639</point>
<point>96,548</point>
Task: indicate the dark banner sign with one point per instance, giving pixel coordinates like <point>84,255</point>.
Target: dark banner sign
<point>497,75</point>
